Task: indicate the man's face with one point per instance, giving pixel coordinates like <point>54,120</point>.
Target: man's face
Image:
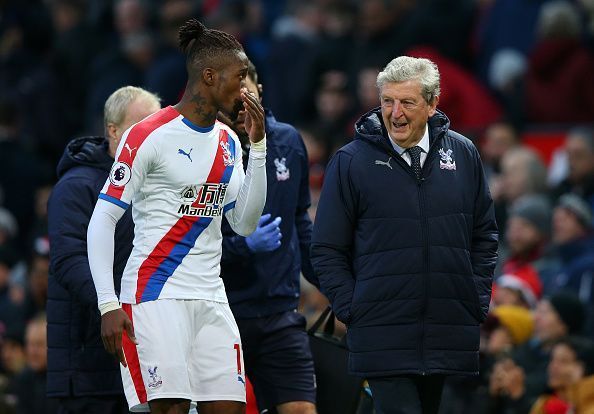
<point>514,174</point>
<point>405,111</point>
<point>238,124</point>
<point>522,236</point>
<point>566,226</point>
<point>564,368</point>
<point>580,157</point>
<point>548,326</point>
<point>229,81</point>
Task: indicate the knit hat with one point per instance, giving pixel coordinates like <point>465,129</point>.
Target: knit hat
<point>578,207</point>
<point>517,320</point>
<point>570,311</point>
<point>526,281</point>
<point>535,209</point>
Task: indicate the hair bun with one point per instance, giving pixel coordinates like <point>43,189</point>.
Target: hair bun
<point>189,31</point>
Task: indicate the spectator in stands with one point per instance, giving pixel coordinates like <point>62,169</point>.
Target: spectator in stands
<point>516,382</point>
<point>522,172</point>
<point>579,146</point>
<point>12,310</point>
<point>572,232</point>
<point>570,379</point>
<point>560,66</point>
<point>29,386</point>
<point>520,288</point>
<point>82,374</point>
<point>527,235</point>
<point>499,138</point>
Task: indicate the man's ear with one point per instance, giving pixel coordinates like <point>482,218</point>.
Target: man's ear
<point>111,130</point>
<point>260,91</point>
<point>209,76</point>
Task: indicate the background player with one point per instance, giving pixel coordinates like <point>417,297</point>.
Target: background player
<point>261,273</point>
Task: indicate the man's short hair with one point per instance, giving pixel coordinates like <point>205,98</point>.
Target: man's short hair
<point>115,107</point>
<point>405,68</point>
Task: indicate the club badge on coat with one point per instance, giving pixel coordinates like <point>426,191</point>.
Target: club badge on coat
<point>446,162</point>
<point>282,172</point>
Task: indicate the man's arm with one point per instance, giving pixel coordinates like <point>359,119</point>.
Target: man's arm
<point>485,238</point>
<point>100,240</point>
<point>333,237</point>
<point>69,211</point>
<point>303,221</point>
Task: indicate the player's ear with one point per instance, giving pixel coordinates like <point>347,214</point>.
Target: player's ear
<point>209,76</point>
<point>260,91</point>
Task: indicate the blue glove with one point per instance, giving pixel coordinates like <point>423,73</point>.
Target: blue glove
<point>266,237</point>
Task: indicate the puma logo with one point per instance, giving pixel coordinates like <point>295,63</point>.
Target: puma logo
<point>386,163</point>
<point>187,154</point>
<point>129,149</point>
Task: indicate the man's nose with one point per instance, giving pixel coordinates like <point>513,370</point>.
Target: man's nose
<point>397,109</point>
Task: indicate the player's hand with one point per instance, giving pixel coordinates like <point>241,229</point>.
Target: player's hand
<point>254,116</point>
<point>113,324</point>
<point>266,237</point>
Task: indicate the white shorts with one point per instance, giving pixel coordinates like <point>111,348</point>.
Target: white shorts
<point>188,349</point>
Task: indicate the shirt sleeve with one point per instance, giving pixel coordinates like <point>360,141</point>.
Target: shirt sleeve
<point>249,201</point>
<point>132,162</point>
<point>101,245</point>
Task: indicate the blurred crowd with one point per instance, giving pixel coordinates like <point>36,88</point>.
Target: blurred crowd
<point>508,67</point>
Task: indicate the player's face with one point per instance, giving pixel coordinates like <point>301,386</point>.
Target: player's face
<point>405,112</point>
<point>230,81</point>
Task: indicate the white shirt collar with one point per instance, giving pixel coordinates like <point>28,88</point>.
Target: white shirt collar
<point>423,143</point>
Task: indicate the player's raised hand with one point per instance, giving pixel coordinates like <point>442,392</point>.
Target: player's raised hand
<point>113,324</point>
<point>254,116</point>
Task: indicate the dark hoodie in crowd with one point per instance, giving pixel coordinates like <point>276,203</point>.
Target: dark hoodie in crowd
<point>78,365</point>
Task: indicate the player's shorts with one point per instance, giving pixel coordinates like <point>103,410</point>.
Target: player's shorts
<point>278,359</point>
<point>188,349</point>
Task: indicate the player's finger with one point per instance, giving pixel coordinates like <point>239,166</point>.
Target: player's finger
<point>120,350</point>
<point>130,331</point>
<point>253,107</point>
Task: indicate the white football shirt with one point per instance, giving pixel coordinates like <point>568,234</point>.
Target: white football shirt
<point>180,179</point>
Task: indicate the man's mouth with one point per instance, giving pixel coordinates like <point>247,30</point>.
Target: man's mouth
<point>398,125</point>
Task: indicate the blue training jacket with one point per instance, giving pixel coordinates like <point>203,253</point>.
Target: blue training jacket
<point>77,363</point>
<point>263,284</point>
<point>407,264</point>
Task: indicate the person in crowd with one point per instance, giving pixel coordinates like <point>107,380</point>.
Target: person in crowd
<point>579,147</point>
<point>81,374</point>
<point>499,138</point>
<point>181,171</point>
<point>522,173</point>
<point>559,33</point>
<point>570,379</point>
<point>527,236</point>
<point>262,271</point>
<point>29,386</point>
<point>517,381</point>
<point>520,288</point>
<point>573,236</point>
<point>405,243</point>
